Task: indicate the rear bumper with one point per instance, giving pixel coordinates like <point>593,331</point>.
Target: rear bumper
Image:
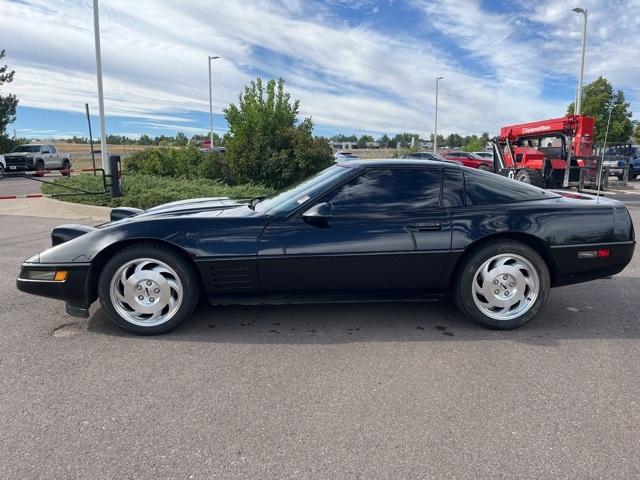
<point>572,269</point>
<point>73,290</point>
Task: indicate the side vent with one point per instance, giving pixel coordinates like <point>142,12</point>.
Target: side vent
<point>227,278</point>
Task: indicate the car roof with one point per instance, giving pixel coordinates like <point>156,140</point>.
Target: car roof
<point>395,162</point>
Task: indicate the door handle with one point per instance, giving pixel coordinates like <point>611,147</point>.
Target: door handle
<point>426,227</point>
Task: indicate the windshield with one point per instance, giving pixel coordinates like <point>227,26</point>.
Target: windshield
<point>27,149</point>
<point>302,192</point>
<point>476,156</point>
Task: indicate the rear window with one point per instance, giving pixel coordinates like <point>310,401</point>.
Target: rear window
<point>485,188</point>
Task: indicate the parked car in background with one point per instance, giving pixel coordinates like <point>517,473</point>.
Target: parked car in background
<point>342,156</point>
<point>37,157</point>
<point>375,230</point>
<point>470,160</point>
<point>3,166</point>
<point>486,155</point>
<point>616,165</point>
<point>428,156</point>
<point>215,149</point>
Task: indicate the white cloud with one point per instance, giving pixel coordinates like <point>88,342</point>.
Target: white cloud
<point>155,60</point>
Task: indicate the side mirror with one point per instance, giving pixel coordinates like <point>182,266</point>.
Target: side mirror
<point>318,215</point>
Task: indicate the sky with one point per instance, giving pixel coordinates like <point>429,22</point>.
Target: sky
<point>357,66</point>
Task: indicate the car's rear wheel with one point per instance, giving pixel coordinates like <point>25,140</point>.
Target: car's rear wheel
<point>1,171</point>
<point>148,289</point>
<point>485,168</point>
<point>503,285</point>
<point>66,168</point>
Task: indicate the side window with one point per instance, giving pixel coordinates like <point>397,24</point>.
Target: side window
<point>387,191</point>
<point>485,188</point>
<point>52,149</point>
<point>44,149</point>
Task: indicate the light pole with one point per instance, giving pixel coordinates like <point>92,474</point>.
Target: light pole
<point>435,134</point>
<point>103,128</point>
<point>583,11</point>
<point>211,104</point>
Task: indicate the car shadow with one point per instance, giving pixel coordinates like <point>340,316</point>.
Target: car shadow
<point>602,309</point>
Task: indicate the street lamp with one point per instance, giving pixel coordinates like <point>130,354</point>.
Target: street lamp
<point>583,11</point>
<point>435,134</point>
<point>103,128</point>
<point>211,103</point>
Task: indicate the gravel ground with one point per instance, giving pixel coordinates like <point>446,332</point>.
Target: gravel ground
<point>320,391</point>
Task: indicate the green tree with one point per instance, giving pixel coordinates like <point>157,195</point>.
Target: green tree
<point>8,106</point>
<point>636,131</point>
<point>597,99</point>
<point>363,140</point>
<point>181,139</point>
<point>473,143</point>
<point>145,140</point>
<point>266,144</point>
<point>384,141</point>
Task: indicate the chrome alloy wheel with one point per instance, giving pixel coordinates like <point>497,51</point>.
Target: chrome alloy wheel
<point>505,287</point>
<point>146,292</point>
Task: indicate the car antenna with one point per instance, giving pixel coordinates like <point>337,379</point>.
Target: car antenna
<point>604,148</point>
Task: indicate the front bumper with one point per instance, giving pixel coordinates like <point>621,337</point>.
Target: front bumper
<point>20,165</point>
<point>73,290</point>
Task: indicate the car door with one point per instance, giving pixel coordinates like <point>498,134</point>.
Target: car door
<point>53,160</point>
<point>44,154</point>
<point>387,230</point>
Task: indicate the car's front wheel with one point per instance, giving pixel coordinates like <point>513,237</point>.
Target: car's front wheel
<point>148,289</point>
<point>502,285</point>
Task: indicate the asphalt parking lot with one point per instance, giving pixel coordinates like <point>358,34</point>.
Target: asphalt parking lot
<point>320,391</point>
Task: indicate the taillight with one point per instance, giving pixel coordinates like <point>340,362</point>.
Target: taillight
<point>602,253</point>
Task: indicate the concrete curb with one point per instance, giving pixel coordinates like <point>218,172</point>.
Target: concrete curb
<point>50,208</point>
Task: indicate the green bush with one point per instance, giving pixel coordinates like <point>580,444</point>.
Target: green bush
<point>188,162</point>
<point>146,191</point>
<point>266,144</point>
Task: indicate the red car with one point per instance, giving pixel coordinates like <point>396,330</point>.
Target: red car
<point>471,160</point>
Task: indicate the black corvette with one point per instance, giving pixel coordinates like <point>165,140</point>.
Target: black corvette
<point>361,230</point>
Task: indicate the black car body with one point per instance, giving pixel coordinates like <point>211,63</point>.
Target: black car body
<point>384,229</point>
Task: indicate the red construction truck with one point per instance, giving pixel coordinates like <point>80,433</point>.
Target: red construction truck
<point>553,153</point>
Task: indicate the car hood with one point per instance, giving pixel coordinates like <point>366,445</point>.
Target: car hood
<point>211,206</point>
<point>21,154</point>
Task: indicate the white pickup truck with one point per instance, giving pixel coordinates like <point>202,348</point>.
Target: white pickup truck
<point>37,157</point>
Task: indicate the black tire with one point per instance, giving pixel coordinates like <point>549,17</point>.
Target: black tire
<point>485,168</point>
<point>465,276</point>
<point>532,177</point>
<point>66,168</point>
<point>182,268</point>
<point>39,168</point>
<point>1,171</point>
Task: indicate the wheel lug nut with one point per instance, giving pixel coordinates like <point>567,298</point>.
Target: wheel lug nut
<point>151,299</point>
<point>504,277</point>
<point>496,292</point>
<point>512,284</point>
<point>506,294</point>
<point>495,282</point>
<point>149,282</point>
<point>156,290</point>
<point>139,287</point>
<point>140,297</point>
